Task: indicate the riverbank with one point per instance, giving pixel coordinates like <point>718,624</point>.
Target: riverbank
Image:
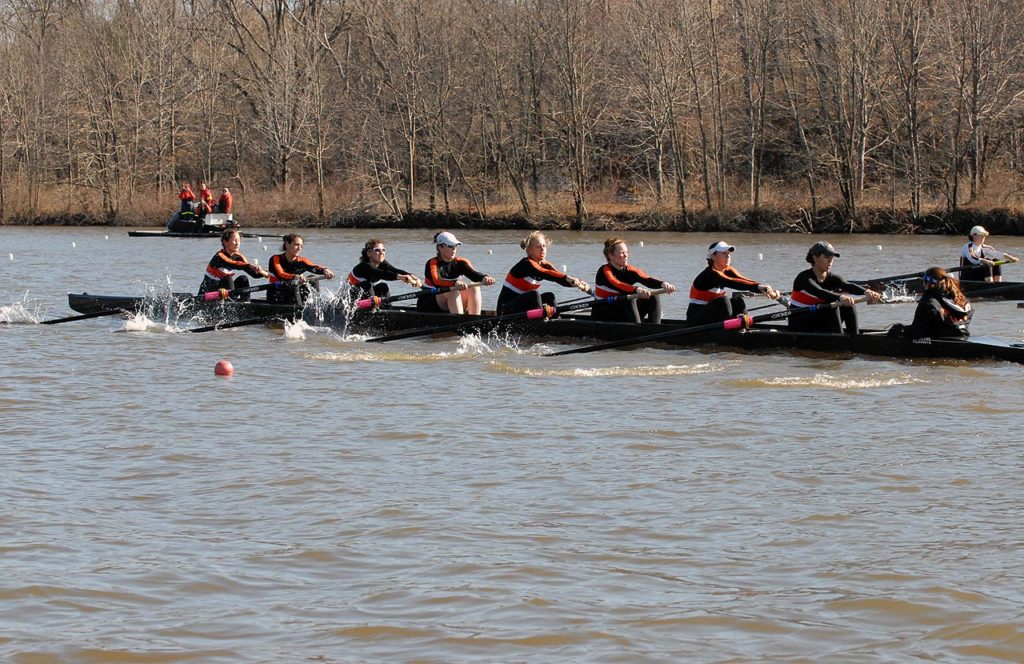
<point>999,221</point>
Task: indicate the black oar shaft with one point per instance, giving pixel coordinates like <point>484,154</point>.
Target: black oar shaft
<point>237,323</point>
<point>94,314</point>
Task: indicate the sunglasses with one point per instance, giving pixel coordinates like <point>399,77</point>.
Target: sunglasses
<point>450,246</point>
<point>377,251</point>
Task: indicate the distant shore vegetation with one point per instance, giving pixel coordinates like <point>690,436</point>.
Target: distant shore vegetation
<point>892,116</point>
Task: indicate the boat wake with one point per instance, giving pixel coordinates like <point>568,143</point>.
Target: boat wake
<point>828,380</point>
<point>602,372</point>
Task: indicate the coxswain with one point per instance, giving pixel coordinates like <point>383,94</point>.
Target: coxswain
<point>223,271</point>
<point>289,266</point>
<point>444,271</point>
<point>370,276</point>
<point>817,286</point>
<point>617,277</point>
<point>709,300</point>
<point>978,260</point>
<point>521,290</point>
<point>942,311</point>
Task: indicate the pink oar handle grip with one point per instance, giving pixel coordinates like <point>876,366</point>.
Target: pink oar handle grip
<point>221,294</point>
<point>738,323</point>
<point>535,313</point>
<point>368,303</point>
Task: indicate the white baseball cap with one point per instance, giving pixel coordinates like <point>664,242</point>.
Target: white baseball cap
<point>719,247</point>
<point>446,238</point>
<point>978,230</point>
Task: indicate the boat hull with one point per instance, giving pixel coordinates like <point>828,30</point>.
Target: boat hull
<point>573,327</point>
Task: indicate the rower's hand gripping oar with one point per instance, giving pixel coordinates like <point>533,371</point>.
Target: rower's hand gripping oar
<point>224,294</point>
<point>544,312</point>
<point>375,301</point>
<point>742,322</point>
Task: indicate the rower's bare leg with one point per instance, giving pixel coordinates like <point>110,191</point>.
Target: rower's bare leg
<point>450,302</point>
<point>472,302</point>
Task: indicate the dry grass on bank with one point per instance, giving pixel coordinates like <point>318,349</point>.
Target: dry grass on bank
<point>608,207</point>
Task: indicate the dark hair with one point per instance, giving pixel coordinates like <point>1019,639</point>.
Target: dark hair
<point>288,239</point>
<point>363,255</point>
<point>609,245</point>
<point>945,283</point>
<point>228,233</point>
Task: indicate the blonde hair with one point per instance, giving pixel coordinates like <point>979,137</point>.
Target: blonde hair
<point>535,236</point>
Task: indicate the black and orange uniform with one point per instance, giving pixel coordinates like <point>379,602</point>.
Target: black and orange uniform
<point>939,316</point>
<point>439,274</point>
<point>365,280</point>
<point>612,282</point>
<point>281,269</point>
<point>223,272</point>
<point>709,299</point>
<point>809,292</point>
<point>224,203</point>
<point>521,290</point>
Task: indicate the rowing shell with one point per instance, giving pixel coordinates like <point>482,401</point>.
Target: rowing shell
<point>215,233</point>
<point>574,328</point>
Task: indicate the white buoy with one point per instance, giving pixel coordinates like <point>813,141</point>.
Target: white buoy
<point>565,269</point>
<point>73,245</point>
<point>641,243</point>
<point>490,251</point>
<point>106,237</point>
<point>879,247</point>
<point>264,247</point>
<point>760,257</point>
<point>11,256</point>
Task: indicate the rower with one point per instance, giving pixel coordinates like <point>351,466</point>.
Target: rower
<point>290,266</point>
<point>521,290</point>
<point>617,277</point>
<point>817,286</point>
<point>444,271</point>
<point>222,273</point>
<point>708,301</point>
<point>978,260</point>
<point>942,311</point>
<point>370,276</point>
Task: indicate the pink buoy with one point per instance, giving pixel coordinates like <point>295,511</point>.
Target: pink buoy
<point>223,368</point>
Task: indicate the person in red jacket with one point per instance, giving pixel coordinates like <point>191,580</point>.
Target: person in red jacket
<point>187,198</point>
<point>225,201</point>
<point>290,266</point>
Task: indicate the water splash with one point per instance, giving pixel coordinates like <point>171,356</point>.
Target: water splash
<point>19,312</point>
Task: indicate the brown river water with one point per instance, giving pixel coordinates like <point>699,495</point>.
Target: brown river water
<point>468,500</point>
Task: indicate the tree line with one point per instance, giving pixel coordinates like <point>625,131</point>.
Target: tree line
<point>481,105</point>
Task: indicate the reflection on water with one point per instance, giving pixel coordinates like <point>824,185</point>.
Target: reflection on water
<point>467,499</point>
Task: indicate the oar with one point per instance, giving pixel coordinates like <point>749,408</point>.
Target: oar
<point>545,312</point>
<point>375,301</point>
<point>917,275</point>
<point>223,293</point>
<point>95,314</point>
<point>742,322</point>
<point>237,323</point>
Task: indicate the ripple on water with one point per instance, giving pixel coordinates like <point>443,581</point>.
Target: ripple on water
<point>828,380</point>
